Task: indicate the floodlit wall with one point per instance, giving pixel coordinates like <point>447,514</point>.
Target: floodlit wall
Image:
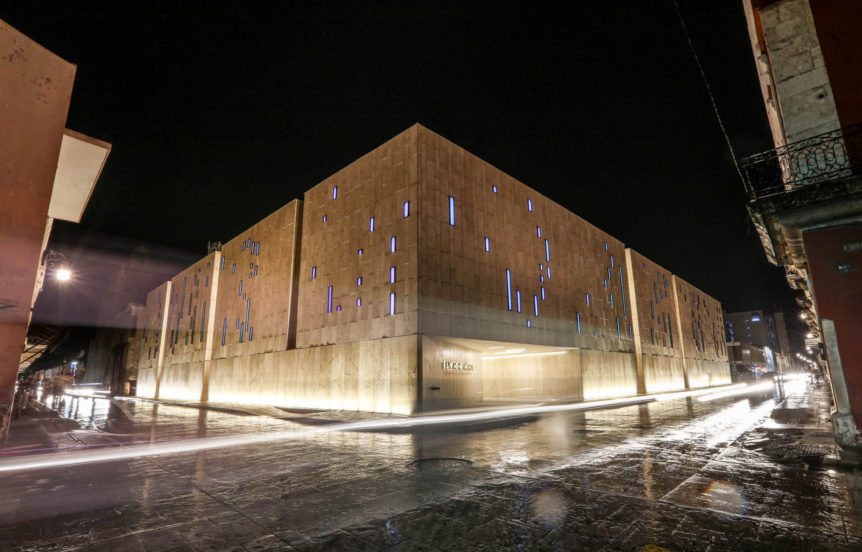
<point>701,328</point>
<point>392,284</point>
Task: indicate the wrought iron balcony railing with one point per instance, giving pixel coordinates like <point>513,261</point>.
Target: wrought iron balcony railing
<point>829,156</point>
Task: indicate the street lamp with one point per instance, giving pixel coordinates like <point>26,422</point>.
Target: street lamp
<point>64,274</point>
<point>56,261</point>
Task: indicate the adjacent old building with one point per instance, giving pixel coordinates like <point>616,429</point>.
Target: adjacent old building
<point>806,194</point>
<point>421,277</point>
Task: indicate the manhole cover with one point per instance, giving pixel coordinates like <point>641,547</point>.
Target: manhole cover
<point>439,464</point>
<point>810,454</point>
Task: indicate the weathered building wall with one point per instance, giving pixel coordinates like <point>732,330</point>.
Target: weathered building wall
<point>341,244</point>
<point>35,89</point>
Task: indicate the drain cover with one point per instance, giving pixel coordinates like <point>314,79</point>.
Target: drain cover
<point>439,464</point>
<point>810,454</point>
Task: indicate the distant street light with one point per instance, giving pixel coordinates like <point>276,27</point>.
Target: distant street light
<point>64,274</point>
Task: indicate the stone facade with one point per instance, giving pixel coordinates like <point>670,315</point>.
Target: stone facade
<point>421,277</point>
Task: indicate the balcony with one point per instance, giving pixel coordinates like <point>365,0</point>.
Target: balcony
<point>828,157</point>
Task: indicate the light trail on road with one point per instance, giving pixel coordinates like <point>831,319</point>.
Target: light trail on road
<point>87,455</point>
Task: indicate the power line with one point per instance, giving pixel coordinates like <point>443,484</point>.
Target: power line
<point>708,91</point>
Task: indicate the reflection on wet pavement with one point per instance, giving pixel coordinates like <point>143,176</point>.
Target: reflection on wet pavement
<point>673,473</point>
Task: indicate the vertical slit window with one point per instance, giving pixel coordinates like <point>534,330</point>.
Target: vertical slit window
<point>451,211</point>
<point>250,333</point>
<point>391,274</point>
<point>547,251</point>
<point>406,209</point>
<point>655,290</point>
<point>233,269</point>
<point>223,331</point>
<point>392,303</point>
<point>487,245</point>
<point>579,322</point>
<point>207,281</point>
<point>548,269</point>
<point>612,299</point>
<point>358,302</point>
<point>543,294</point>
<point>528,324</point>
<point>359,252</point>
<point>622,289</point>
<point>257,249</point>
<point>371,224</point>
<point>509,287</point>
<point>392,244</point>
<point>222,262</point>
<point>203,319</point>
<point>588,299</point>
<point>334,192</point>
<point>313,275</point>
<point>530,205</point>
<point>359,281</point>
<point>606,246</point>
<point>518,298</point>
<point>494,188</point>
<point>329,300</point>
<point>536,305</point>
<point>612,261</point>
<point>240,286</point>
<point>247,309</point>
<point>619,334</point>
<point>539,231</point>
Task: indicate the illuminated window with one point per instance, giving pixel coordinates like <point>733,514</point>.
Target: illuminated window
<point>588,298</point>
<point>487,245</point>
<point>612,261</point>
<point>539,231</point>
<point>338,308</point>
<point>619,335</point>
<point>518,297</point>
<point>223,331</point>
<point>530,205</point>
<point>358,302</point>
<point>406,209</point>
<point>543,294</point>
<point>334,192</point>
<point>391,303</point>
<point>250,333</point>
<point>579,322</point>
<point>257,249</point>
<point>547,252</point>
<point>233,269</point>
<point>622,289</point>
<point>548,270</point>
<point>324,218</point>
<point>606,246</point>
<point>359,252</point>
<point>371,224</point>
<point>509,287</point>
<point>240,286</point>
<point>255,270</point>
<point>222,262</point>
<point>451,211</point>
<point>207,281</point>
<point>329,300</point>
<point>391,274</point>
<point>392,244</point>
<point>612,299</point>
<point>528,324</point>
<point>494,188</point>
<point>359,281</point>
<point>535,305</point>
<point>313,275</point>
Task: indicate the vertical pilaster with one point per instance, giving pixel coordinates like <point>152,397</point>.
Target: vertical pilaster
<point>636,330</point>
<point>162,331</point>
<point>210,331</point>
<point>679,338</point>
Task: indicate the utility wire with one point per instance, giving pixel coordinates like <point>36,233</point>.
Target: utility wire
<point>709,92</point>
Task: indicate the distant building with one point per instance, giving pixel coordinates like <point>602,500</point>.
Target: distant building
<point>47,172</point>
<point>757,328</point>
<point>805,196</point>
<point>421,277</point>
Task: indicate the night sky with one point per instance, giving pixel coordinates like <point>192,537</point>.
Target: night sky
<point>218,116</point>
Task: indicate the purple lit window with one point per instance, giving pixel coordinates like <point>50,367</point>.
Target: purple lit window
<point>250,333</point>
<point>494,188</point>
<point>392,244</point>
<point>535,305</point>
<point>359,281</point>
<point>313,275</point>
<point>451,211</point>
<point>541,267</point>
<point>371,224</point>
<point>406,209</point>
<point>391,303</point>
<point>509,287</point>
<point>588,298</point>
<point>547,251</point>
<point>334,192</point>
<point>530,205</point>
<point>338,308</point>
<point>222,263</point>
<point>358,302</point>
<point>324,218</point>
<point>543,294</point>
<point>549,272</point>
<point>612,261</point>
<point>359,252</point>
<point>539,231</point>
<point>518,297</point>
<point>579,322</point>
<point>329,300</point>
<point>233,269</point>
<point>528,324</point>
<point>606,246</point>
<point>391,274</point>
<point>487,245</point>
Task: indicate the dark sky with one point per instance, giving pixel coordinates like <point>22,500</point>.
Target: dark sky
<point>220,115</point>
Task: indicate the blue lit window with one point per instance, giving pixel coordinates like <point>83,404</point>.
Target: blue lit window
<point>313,273</point>
<point>371,224</point>
<point>579,322</point>
<point>588,298</point>
<point>222,263</point>
<point>605,283</point>
<point>329,300</point>
<point>530,205</point>
<point>223,331</point>
<point>494,188</point>
<point>247,309</point>
<point>612,299</point>
<point>535,305</point>
<point>359,252</point>
<point>257,249</point>
<point>240,287</point>
<point>631,334</point>
<point>518,297</point>
<point>406,209</point>
<point>541,277</point>
<point>207,281</point>
<point>509,287</point>
<point>324,218</point>
<point>487,245</point>
<point>543,294</point>
<point>255,270</point>
<point>233,269</point>
<point>609,274</point>
<point>391,303</point>
<point>338,308</point>
<point>548,270</point>
<point>619,335</point>
<point>539,231</point>
<point>250,332</point>
<point>606,246</point>
<point>528,324</point>
<point>596,333</point>
<point>358,302</point>
<point>547,252</point>
<point>541,267</point>
<point>612,261</point>
<point>622,289</point>
<point>392,244</point>
<point>334,192</point>
<point>237,323</point>
<point>391,274</point>
<point>359,281</point>
<point>451,211</point>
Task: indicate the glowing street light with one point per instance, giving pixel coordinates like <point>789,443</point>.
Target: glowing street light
<point>63,274</point>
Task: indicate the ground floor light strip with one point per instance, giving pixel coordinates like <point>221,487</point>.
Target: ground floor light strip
<point>87,455</point>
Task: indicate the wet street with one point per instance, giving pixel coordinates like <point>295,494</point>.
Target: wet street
<point>676,474</point>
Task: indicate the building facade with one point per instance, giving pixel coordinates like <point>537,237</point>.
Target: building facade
<point>805,196</point>
<point>421,277</point>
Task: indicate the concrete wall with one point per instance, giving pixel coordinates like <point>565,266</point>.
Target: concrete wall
<point>337,226</point>
<point>544,377</point>
<point>374,375</point>
<point>555,259</point>
<point>608,374</point>
<point>151,336</point>
<point>451,374</point>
